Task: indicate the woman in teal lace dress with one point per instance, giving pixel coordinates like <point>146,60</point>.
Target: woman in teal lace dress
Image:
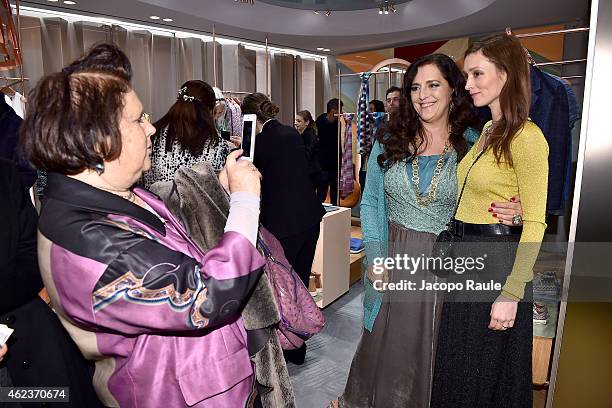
<point>410,195</point>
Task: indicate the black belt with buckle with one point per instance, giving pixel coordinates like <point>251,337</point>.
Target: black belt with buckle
<point>460,228</point>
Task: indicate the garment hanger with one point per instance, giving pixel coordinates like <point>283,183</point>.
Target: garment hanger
<point>7,88</point>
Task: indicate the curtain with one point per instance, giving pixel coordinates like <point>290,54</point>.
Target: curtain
<point>160,63</point>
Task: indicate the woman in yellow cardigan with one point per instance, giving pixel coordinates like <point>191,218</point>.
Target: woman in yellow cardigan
<point>483,357</point>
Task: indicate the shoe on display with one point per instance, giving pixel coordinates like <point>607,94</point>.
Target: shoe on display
<point>546,287</point>
<point>540,313</point>
<point>312,285</point>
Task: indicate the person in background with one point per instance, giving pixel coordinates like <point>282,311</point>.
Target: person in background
<point>158,316</point>
<point>305,125</point>
<point>376,106</point>
<point>187,134</point>
<point>483,358</point>
<point>42,354</point>
<point>289,208</point>
<point>392,98</point>
<point>327,130</point>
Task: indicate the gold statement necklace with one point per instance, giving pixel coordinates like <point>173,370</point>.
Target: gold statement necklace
<point>435,180</point>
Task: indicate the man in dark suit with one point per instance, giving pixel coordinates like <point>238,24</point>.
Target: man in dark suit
<point>41,354</point>
<point>9,136</point>
<point>327,130</point>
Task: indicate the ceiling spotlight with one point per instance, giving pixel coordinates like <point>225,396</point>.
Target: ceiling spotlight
<point>70,3</point>
<point>387,11</point>
<point>316,12</point>
<point>154,17</point>
<point>168,20</point>
<point>327,13</point>
<point>320,48</point>
<point>392,8</point>
<point>380,10</point>
<point>53,1</point>
<point>326,50</point>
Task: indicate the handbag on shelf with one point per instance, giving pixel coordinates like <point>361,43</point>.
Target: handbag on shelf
<point>445,242</point>
<point>301,318</point>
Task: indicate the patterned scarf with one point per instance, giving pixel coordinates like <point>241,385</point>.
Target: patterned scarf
<point>347,181</point>
<point>364,135</point>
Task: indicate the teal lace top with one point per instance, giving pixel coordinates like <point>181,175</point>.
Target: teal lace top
<point>401,203</point>
<point>375,214</point>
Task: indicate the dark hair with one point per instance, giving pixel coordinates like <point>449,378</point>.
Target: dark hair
<point>260,105</point>
<point>508,55</point>
<point>103,57</point>
<point>391,90</point>
<point>190,119</point>
<point>333,104</point>
<point>307,116</point>
<point>379,106</point>
<point>73,117</point>
<point>404,134</point>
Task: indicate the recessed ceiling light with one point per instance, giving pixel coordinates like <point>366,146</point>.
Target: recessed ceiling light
<point>316,11</point>
<point>53,1</point>
<point>168,19</point>
<point>320,48</point>
<point>69,2</point>
<point>154,17</point>
<point>326,50</point>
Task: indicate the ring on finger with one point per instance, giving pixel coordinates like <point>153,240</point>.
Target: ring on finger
<point>517,219</point>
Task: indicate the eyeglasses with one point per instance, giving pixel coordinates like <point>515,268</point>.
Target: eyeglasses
<point>145,117</point>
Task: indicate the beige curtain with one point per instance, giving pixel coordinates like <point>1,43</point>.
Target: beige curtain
<point>162,63</point>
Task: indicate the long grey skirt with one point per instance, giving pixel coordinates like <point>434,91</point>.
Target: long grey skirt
<point>393,365</point>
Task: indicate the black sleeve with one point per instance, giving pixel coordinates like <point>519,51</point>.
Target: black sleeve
<point>20,279</point>
<point>311,145</point>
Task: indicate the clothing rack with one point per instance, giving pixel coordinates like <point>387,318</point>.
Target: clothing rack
<point>353,113</point>
<point>553,32</point>
<point>236,92</point>
<point>372,73</point>
<point>542,64</point>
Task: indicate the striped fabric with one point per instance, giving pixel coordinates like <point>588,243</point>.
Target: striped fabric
<point>364,134</point>
<point>347,181</point>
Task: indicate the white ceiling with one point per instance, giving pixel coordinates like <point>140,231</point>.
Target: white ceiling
<point>344,31</point>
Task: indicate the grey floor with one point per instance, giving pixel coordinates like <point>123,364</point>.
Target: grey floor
<point>323,375</point>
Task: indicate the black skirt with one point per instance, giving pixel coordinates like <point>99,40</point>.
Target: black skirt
<point>476,366</point>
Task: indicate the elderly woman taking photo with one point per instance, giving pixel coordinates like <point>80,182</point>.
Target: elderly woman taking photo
<point>157,315</point>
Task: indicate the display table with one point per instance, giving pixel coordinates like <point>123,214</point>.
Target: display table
<point>332,255</point>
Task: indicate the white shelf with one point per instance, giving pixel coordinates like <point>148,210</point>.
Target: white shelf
<point>332,255</point>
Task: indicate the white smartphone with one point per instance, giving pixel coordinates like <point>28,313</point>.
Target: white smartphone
<point>249,124</point>
<point>5,333</point>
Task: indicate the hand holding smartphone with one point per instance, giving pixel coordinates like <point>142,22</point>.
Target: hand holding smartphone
<point>249,124</point>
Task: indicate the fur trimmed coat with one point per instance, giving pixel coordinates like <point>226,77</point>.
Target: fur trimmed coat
<point>197,199</point>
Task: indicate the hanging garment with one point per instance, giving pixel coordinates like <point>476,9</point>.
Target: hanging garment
<point>574,115</point>
<point>377,120</point>
<point>364,136</point>
<point>10,123</point>
<point>16,102</point>
<point>550,111</point>
<point>233,117</point>
<point>347,180</point>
